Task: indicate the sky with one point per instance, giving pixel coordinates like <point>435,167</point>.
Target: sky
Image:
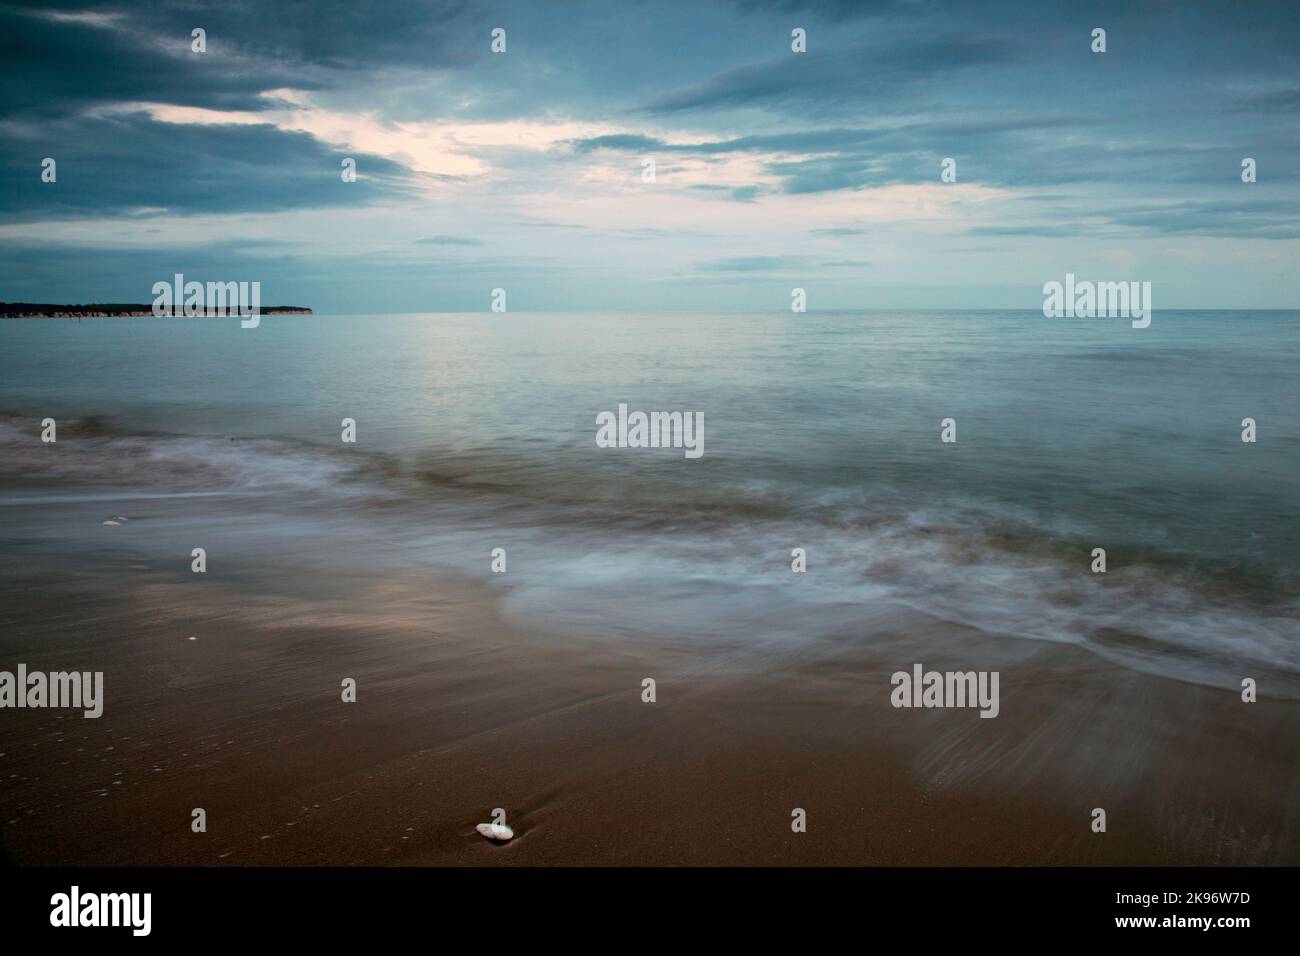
<point>525,170</point>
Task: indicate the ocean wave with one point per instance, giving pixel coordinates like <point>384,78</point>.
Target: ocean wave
<point>638,555</point>
<point>89,451</point>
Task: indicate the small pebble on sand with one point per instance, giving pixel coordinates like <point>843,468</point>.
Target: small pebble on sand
<point>496,831</point>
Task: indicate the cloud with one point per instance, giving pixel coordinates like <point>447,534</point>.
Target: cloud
<point>55,68</point>
<point>747,264</point>
<point>1004,151</point>
<point>450,241</point>
<point>1264,218</point>
<point>733,193</point>
<point>1046,231</point>
<point>779,264</point>
<point>131,165</point>
<point>806,84</point>
<point>1244,218</point>
<point>636,142</point>
<point>1278,100</point>
<point>768,161</point>
<point>826,10</point>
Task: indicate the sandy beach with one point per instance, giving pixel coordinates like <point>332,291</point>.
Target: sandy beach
<point>460,712</point>
<point>858,436</point>
<point>520,687</point>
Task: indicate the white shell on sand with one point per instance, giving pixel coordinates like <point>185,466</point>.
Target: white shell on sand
<point>495,831</point>
<point>112,524</point>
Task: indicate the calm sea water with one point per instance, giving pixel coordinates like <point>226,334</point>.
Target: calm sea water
<point>822,431</point>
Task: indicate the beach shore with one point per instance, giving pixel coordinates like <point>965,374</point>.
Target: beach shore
<point>460,711</point>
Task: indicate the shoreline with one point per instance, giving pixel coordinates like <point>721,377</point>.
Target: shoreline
<point>460,711</point>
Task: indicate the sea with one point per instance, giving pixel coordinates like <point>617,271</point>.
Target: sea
<point>822,431</point>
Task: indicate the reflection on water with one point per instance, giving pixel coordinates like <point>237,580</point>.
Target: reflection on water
<point>478,431</point>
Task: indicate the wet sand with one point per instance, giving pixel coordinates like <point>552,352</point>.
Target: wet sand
<point>460,711</point>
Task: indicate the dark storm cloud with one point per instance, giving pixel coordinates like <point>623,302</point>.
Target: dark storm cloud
<point>54,68</point>
<point>60,71</point>
<point>141,51</point>
<point>128,162</point>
